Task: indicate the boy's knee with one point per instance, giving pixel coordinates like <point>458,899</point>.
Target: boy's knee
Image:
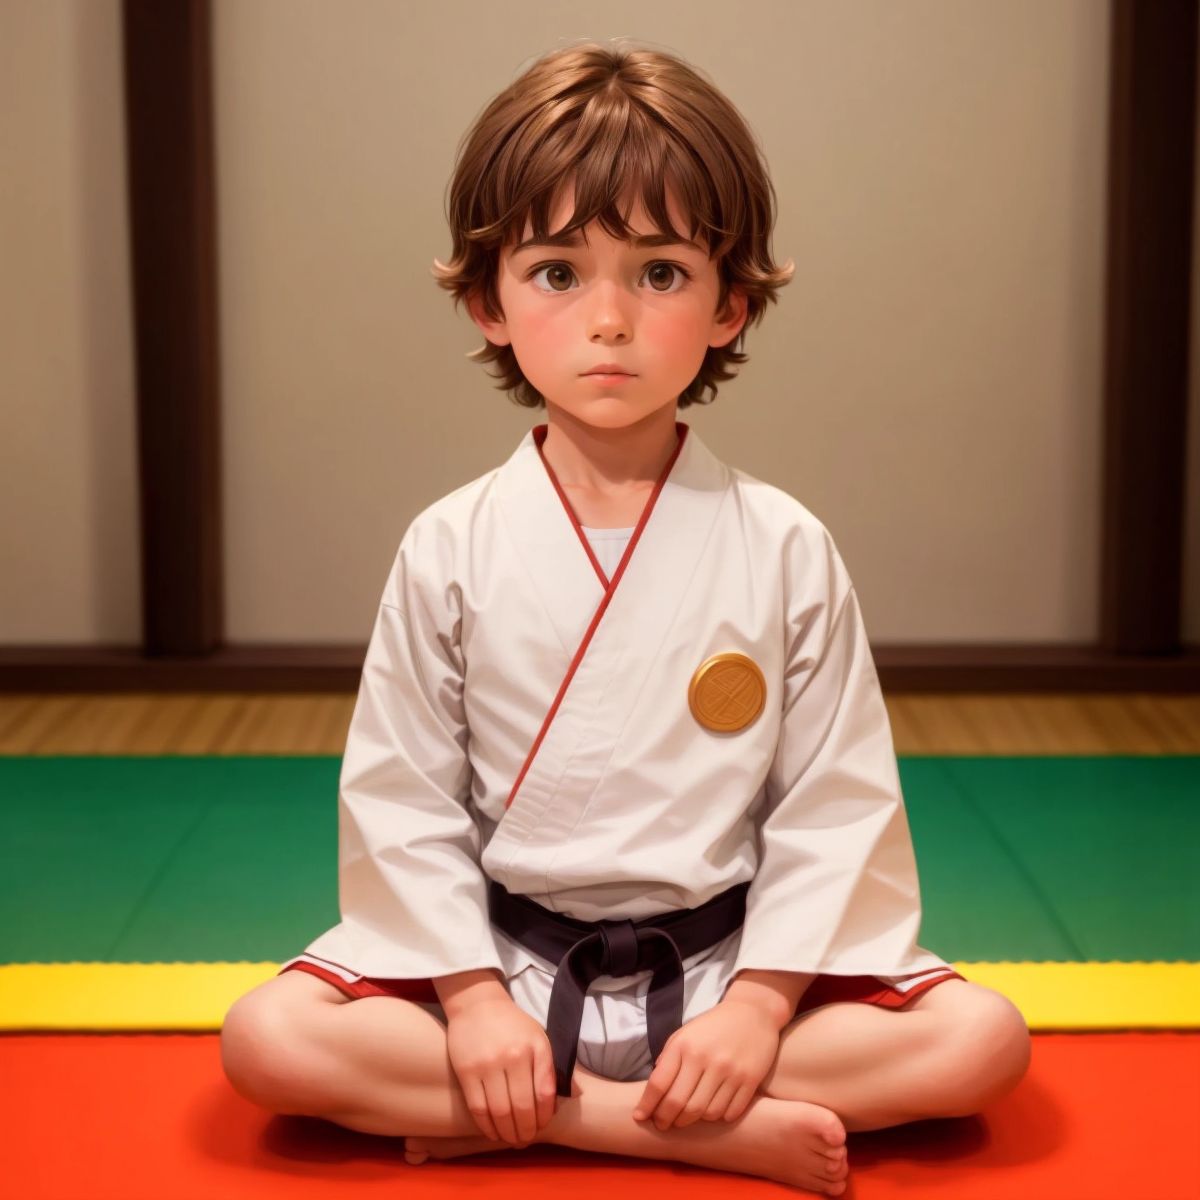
<point>994,1050</point>
<point>999,1027</point>
<point>263,1056</point>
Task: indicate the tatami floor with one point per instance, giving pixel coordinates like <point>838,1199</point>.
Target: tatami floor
<point>316,723</point>
<point>165,852</point>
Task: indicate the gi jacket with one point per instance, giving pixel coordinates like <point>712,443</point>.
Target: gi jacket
<point>521,716</point>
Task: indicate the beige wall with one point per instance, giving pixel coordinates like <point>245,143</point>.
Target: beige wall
<point>68,499</point>
<point>929,385</point>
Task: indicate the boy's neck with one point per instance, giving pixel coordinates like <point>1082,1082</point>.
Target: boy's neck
<point>609,461</point>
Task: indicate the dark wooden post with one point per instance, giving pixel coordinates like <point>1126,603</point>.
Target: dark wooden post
<point>173,232</point>
<point>1152,125</point>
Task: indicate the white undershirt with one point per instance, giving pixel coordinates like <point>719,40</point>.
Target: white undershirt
<point>608,545</point>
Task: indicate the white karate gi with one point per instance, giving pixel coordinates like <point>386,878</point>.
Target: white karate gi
<point>627,806</point>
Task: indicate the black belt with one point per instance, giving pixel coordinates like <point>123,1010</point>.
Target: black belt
<point>585,950</point>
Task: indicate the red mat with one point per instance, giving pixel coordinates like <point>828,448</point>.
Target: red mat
<point>151,1117</point>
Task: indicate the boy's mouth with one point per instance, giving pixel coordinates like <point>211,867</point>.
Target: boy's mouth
<point>608,369</point>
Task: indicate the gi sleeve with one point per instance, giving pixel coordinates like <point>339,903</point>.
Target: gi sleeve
<point>836,889</point>
<point>413,896</point>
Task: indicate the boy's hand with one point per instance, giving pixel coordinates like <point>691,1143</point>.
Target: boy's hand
<point>711,1066</point>
<point>504,1064</point>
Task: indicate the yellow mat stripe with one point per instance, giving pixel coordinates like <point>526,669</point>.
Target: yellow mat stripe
<point>196,996</point>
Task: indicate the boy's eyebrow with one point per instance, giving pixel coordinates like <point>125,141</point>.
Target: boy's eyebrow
<point>575,238</point>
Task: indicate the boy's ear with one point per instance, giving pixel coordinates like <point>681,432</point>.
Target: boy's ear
<point>495,331</point>
<point>728,323</point>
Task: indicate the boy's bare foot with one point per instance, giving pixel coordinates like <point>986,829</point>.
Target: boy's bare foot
<point>418,1149</point>
<point>790,1141</point>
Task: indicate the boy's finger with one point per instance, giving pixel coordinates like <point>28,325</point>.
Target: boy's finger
<point>740,1102</point>
<point>672,1106</point>
<point>477,1101</point>
<point>523,1096</point>
<point>721,1101</point>
<point>660,1080</point>
<point>499,1105</point>
<point>547,1086</point>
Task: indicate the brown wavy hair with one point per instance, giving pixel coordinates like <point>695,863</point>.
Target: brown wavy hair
<point>613,118</point>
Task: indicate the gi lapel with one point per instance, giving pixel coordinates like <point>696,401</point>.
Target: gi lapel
<point>613,653</point>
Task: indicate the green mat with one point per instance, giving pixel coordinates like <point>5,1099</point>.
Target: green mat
<point>211,859</point>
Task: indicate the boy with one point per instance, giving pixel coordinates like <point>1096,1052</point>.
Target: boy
<point>620,778</point>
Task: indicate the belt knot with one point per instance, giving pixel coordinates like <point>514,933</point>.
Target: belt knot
<point>619,947</point>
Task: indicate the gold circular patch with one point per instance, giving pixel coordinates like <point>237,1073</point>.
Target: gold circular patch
<point>727,692</point>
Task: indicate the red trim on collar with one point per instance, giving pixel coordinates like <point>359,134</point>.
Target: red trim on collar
<point>539,436</point>
<point>610,587</point>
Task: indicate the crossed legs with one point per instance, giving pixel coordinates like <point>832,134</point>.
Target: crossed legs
<point>296,1045</point>
<point>948,1052</point>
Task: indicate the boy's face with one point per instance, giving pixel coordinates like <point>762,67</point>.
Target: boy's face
<point>569,308</point>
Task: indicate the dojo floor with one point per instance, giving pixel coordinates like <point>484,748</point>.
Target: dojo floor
<point>163,854</point>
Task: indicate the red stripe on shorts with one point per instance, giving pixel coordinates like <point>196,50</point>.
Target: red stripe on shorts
<point>421,990</point>
<point>825,989</point>
<point>865,989</point>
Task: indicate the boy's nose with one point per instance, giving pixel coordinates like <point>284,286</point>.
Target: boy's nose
<point>608,315</point>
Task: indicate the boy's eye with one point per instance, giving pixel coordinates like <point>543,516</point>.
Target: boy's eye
<point>658,272</point>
